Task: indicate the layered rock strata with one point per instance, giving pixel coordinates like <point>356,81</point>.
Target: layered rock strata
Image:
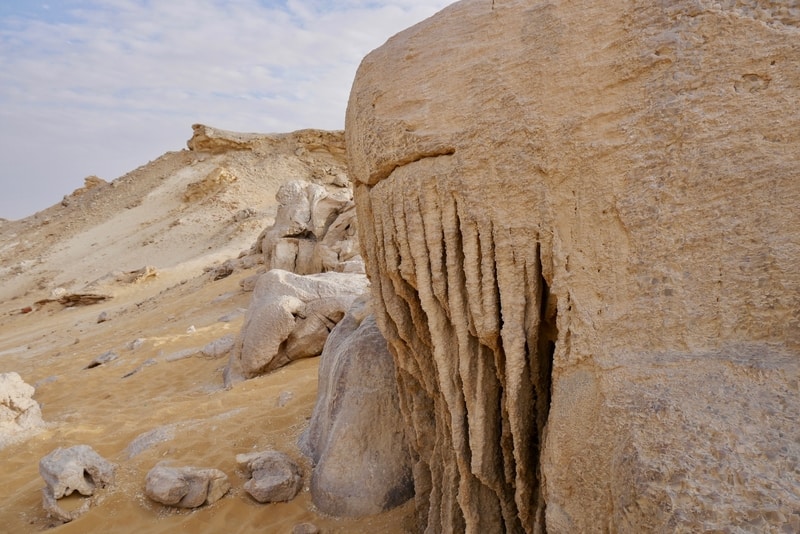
<point>581,229</point>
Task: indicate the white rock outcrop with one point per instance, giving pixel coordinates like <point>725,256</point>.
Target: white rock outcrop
<point>20,415</point>
<point>315,229</point>
<point>289,318</point>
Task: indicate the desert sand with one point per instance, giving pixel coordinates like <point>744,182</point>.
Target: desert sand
<point>160,399</point>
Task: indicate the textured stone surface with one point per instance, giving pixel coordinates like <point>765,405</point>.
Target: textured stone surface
<point>355,438</point>
<point>66,470</point>
<point>185,487</point>
<point>20,415</point>
<point>314,230</point>
<point>580,224</point>
<point>272,476</point>
<point>219,347</point>
<point>289,318</point>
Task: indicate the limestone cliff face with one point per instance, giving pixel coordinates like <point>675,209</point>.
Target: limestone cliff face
<point>581,226</point>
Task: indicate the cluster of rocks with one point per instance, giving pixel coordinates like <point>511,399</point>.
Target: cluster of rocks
<point>290,317</point>
<point>314,231</point>
<point>271,476</point>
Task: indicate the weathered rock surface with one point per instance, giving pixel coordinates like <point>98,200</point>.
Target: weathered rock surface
<point>20,415</point>
<point>580,224</point>
<point>65,471</point>
<point>289,318</point>
<point>219,347</point>
<point>272,476</point>
<point>355,438</point>
<point>185,487</point>
<point>314,231</point>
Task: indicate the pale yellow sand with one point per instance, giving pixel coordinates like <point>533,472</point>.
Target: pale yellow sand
<point>210,425</point>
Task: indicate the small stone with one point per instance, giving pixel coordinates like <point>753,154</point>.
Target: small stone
<point>19,413</point>
<point>273,476</point>
<point>185,487</point>
<point>219,347</point>
<point>103,317</point>
<point>136,343</point>
<point>284,398</point>
<point>106,357</point>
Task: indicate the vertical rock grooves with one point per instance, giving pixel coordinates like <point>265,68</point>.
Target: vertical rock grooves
<point>470,322</point>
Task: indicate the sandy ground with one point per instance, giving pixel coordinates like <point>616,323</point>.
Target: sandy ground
<point>160,399</point>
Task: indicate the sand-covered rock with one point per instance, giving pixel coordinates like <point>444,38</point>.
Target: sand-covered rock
<point>580,223</point>
<point>355,438</point>
<point>315,229</point>
<point>219,347</point>
<point>20,414</point>
<point>289,318</point>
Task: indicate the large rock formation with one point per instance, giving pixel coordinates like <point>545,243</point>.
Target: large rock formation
<point>355,438</point>
<point>580,224</point>
<point>314,230</point>
<point>289,318</point>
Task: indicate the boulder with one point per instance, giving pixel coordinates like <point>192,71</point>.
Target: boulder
<point>20,415</point>
<point>272,476</point>
<point>289,318</point>
<point>580,224</point>
<point>185,487</point>
<point>65,471</point>
<point>355,438</point>
<point>314,229</point>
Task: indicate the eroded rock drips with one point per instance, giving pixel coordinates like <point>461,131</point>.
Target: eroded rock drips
<point>580,227</point>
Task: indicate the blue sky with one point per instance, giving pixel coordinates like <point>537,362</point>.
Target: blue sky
<point>103,86</point>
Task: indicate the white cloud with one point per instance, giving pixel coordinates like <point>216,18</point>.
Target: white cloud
<point>102,86</point>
